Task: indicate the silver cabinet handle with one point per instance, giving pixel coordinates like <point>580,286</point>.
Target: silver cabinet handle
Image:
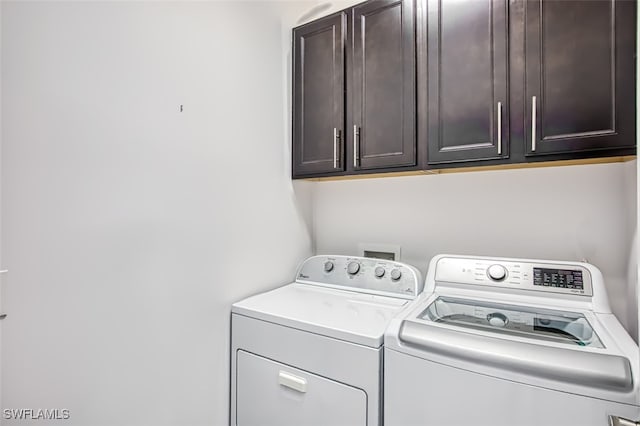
<point>619,421</point>
<point>4,271</point>
<point>335,148</point>
<point>499,128</point>
<point>533,123</point>
<point>356,154</point>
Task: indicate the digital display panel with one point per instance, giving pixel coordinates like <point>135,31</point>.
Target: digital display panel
<point>560,278</point>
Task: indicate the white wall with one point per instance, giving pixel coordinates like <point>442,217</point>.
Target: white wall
<point>571,213</point>
<point>631,206</point>
<point>1,260</point>
<point>129,227</point>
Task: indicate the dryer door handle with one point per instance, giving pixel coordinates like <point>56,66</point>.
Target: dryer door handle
<point>611,372</point>
<point>292,381</point>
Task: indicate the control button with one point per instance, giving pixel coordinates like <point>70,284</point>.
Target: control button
<point>497,319</point>
<point>353,268</point>
<point>396,274</point>
<point>497,272</point>
<point>328,266</point>
<point>379,271</point>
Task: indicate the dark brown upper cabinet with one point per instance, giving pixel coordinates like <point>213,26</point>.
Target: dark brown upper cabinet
<point>318,96</point>
<point>402,85</point>
<point>580,76</point>
<point>465,72</point>
<point>382,95</point>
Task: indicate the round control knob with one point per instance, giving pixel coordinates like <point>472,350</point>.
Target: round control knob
<point>497,272</point>
<point>328,266</point>
<point>353,268</point>
<point>396,274</point>
<point>379,272</point>
<point>497,319</point>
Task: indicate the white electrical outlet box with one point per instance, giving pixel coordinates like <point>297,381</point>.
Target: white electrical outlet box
<point>379,251</point>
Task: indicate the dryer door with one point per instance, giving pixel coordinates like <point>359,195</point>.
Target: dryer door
<point>274,394</point>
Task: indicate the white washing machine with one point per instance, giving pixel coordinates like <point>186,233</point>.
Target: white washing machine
<point>510,342</point>
<point>310,353</point>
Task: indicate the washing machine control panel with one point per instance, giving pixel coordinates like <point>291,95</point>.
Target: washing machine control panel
<point>542,277</point>
<point>375,276</point>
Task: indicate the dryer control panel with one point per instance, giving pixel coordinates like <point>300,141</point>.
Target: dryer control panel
<point>572,278</point>
<point>363,274</point>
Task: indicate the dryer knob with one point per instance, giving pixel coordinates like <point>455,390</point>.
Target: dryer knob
<point>353,268</point>
<point>497,272</point>
<point>396,274</point>
<point>379,271</point>
<point>328,266</point>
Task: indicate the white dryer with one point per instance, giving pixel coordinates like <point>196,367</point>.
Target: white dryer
<point>310,353</point>
<point>510,342</point>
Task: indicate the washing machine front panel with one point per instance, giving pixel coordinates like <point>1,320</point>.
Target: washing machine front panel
<point>423,393</point>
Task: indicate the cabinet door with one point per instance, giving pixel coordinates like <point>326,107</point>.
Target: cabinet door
<point>580,75</point>
<point>467,74</point>
<point>383,91</point>
<point>318,96</point>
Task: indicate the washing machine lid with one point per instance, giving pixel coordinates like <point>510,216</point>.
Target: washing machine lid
<point>346,315</point>
<point>570,328</point>
<point>549,344</point>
